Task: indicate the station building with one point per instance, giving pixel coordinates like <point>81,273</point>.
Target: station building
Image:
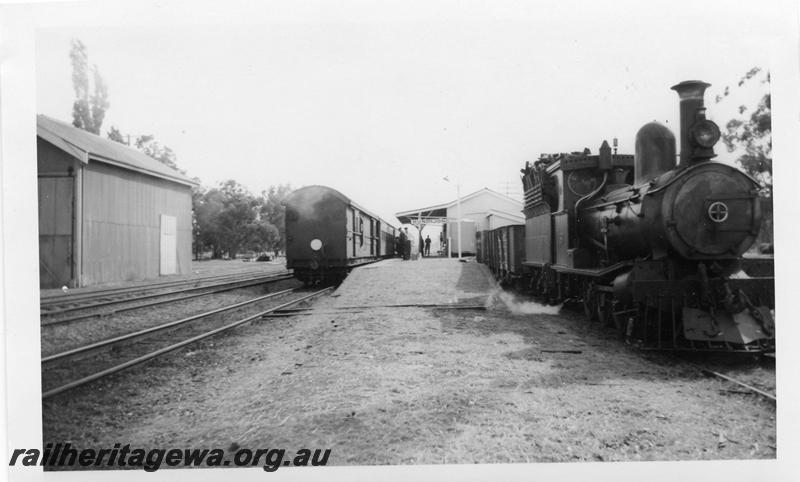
<point>107,212</point>
<point>480,211</point>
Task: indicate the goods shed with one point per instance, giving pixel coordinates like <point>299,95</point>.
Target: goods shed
<point>107,212</point>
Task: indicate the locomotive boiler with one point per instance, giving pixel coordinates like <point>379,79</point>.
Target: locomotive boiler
<point>652,245</point>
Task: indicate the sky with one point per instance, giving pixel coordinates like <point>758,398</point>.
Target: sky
<point>382,103</point>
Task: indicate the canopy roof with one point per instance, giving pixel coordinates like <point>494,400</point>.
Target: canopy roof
<point>438,213</point>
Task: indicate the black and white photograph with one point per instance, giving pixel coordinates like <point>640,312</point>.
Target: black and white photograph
<point>440,240</point>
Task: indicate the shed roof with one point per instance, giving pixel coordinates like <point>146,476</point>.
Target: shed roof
<point>86,146</point>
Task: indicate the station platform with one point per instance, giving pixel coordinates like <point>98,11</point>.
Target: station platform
<point>423,282</point>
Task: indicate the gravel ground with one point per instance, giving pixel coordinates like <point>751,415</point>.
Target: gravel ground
<point>423,386</point>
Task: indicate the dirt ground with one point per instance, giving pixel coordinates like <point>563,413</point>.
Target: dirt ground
<point>405,385</point>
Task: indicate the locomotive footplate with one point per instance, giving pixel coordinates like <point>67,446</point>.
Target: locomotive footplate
<point>719,312</point>
<point>740,328</point>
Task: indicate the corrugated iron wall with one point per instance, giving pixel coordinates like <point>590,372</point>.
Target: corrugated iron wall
<point>55,186</point>
<point>122,224</point>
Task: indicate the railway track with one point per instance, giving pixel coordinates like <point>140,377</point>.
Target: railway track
<point>55,301</point>
<point>120,304</point>
<point>80,364</point>
<point>739,383</point>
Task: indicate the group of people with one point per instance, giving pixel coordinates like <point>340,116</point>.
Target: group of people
<point>403,245</point>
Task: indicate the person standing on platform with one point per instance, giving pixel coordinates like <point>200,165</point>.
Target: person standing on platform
<point>401,244</point>
<point>428,245</point>
<point>406,246</point>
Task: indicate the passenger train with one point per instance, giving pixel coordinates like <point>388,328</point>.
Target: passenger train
<point>327,234</point>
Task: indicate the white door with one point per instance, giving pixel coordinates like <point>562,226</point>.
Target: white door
<point>169,245</point>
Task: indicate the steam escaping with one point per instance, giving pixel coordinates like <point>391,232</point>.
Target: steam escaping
<point>517,306</point>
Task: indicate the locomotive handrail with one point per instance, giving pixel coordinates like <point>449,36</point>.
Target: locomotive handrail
<point>593,272</point>
<point>618,201</point>
<point>683,172</point>
<point>593,193</point>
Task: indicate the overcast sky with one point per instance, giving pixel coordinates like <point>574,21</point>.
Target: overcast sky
<point>381,103</point>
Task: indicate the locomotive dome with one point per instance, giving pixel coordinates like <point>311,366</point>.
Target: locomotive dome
<point>655,152</point>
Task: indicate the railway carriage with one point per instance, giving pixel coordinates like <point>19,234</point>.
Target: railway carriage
<point>327,234</point>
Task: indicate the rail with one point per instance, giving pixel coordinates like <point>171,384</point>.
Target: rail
<point>170,348</point>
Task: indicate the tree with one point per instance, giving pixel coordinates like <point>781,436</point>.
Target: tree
<point>198,191</point>
<point>750,134</point>
<point>150,146</point>
<point>207,206</point>
<point>261,236</point>
<point>273,211</point>
<point>236,214</point>
<point>229,219</point>
<point>115,135</point>
<point>88,111</point>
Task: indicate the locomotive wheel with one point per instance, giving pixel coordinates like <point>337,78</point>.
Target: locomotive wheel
<point>590,303</point>
<point>602,308</point>
<point>618,321</point>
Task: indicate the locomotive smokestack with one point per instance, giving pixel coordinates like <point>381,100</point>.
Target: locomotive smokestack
<point>697,134</point>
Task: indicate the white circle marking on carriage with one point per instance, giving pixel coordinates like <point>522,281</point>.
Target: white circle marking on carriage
<point>316,244</point>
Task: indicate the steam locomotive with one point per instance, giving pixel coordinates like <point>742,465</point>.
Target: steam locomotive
<point>650,247</point>
<point>327,234</point>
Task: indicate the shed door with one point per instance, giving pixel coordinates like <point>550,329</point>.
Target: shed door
<point>55,232</point>
<point>169,245</point>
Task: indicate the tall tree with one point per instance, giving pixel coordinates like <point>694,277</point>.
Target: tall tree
<point>750,135</point>
<point>88,111</point>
